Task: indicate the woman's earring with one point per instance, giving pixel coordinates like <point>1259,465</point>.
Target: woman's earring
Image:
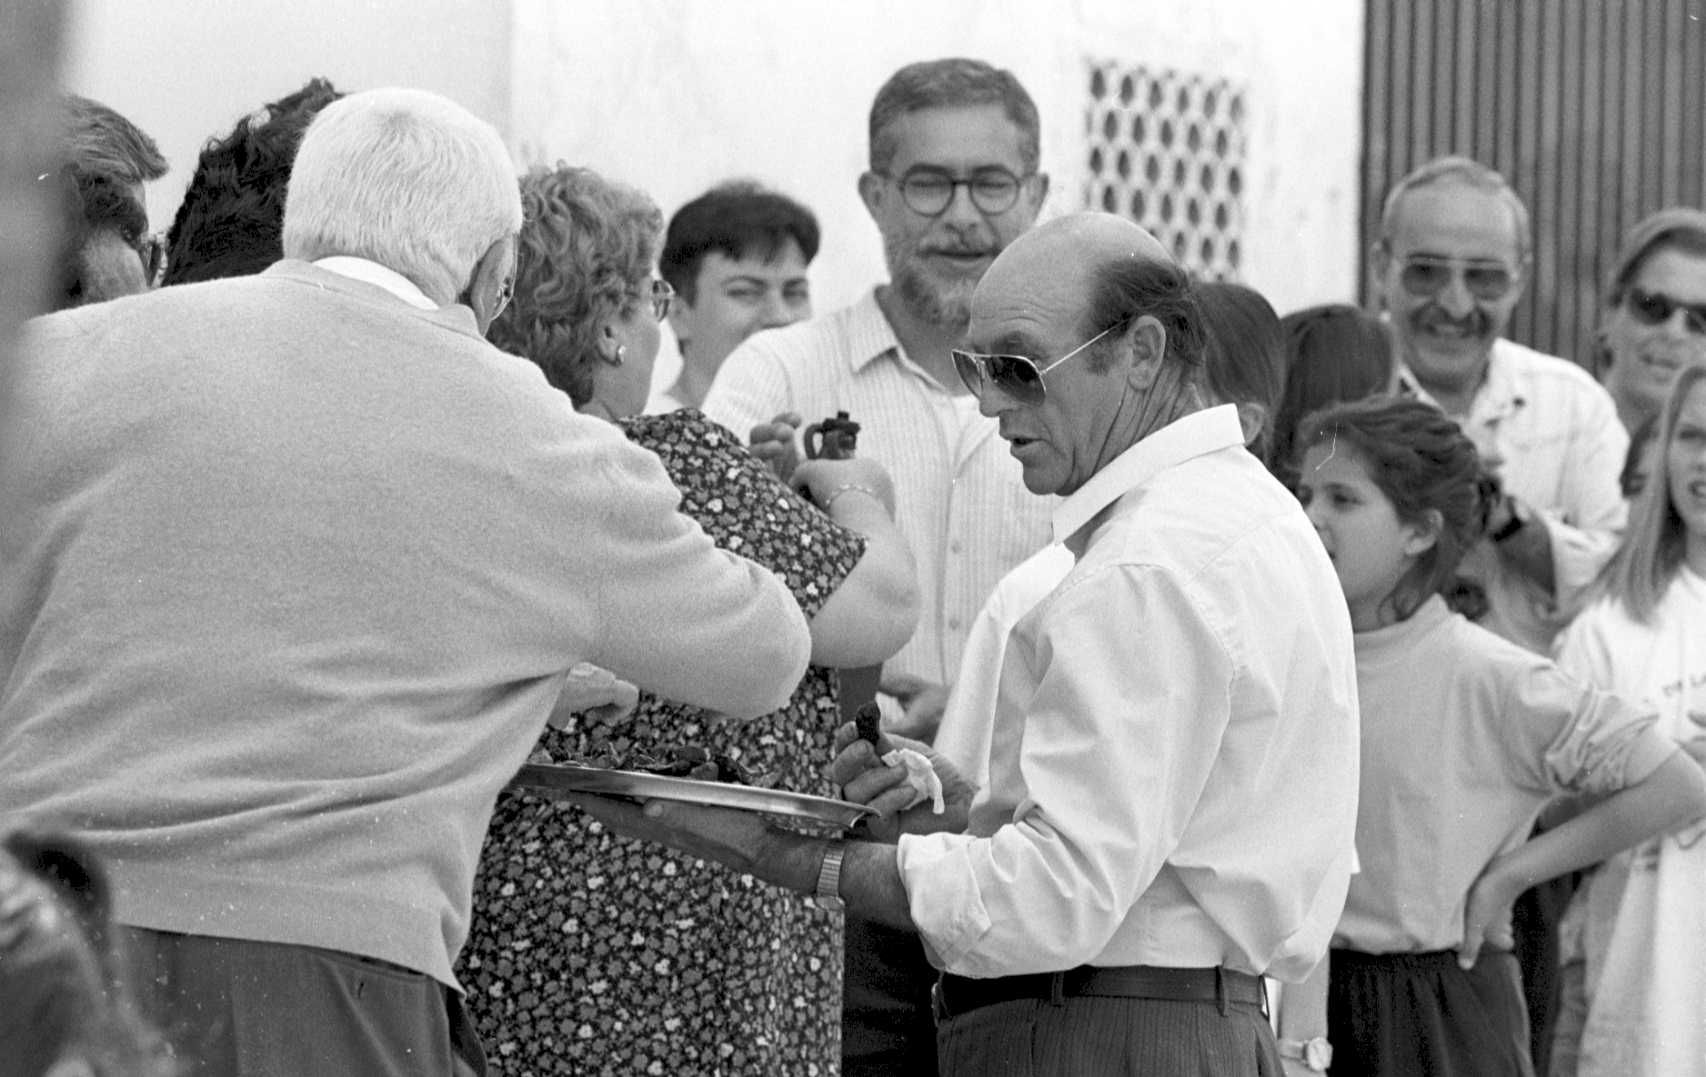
<point>621,354</point>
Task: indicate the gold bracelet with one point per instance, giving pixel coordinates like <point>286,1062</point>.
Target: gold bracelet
<point>848,487</point>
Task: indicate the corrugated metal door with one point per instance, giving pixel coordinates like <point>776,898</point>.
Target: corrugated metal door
<point>1595,110</point>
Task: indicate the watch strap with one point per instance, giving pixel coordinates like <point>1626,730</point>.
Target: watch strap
<point>828,893</point>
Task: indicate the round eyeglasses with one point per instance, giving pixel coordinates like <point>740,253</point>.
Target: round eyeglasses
<point>1656,308</point>
<point>930,191</point>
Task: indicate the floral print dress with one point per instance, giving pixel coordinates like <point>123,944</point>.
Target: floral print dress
<point>593,954</point>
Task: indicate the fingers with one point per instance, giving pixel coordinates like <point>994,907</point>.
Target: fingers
<point>854,758</point>
<point>902,686</point>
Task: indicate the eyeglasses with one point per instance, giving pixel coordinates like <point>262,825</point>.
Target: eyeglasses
<point>662,296</point>
<point>1425,276</point>
<point>1655,308</point>
<point>930,191</point>
<point>1020,378</point>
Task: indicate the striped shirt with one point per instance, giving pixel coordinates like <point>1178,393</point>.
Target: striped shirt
<point>959,500</point>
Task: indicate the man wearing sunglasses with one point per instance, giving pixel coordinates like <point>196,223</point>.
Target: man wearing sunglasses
<point>953,179</point>
<point>1171,801</point>
<point>1451,264</point>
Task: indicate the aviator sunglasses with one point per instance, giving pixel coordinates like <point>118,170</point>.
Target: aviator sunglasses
<point>1018,377</point>
<point>1425,276</point>
<point>1655,308</point>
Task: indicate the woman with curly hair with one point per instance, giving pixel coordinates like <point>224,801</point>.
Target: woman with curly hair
<point>595,954</point>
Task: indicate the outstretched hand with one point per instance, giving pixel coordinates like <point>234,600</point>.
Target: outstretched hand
<point>773,442</point>
<point>594,692</point>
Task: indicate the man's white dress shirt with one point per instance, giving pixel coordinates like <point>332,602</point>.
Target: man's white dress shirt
<point>1173,759</point>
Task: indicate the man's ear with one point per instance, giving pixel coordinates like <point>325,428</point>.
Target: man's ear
<point>1425,535</point>
<point>1252,419</point>
<point>490,287</point>
<point>1146,341</point>
<point>1379,261</point>
<point>1041,180</point>
<point>871,192</point>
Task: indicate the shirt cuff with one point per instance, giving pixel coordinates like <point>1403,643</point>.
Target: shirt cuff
<point>944,898</point>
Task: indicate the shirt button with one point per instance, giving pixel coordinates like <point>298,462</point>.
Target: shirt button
<point>956,546</point>
<point>954,623</point>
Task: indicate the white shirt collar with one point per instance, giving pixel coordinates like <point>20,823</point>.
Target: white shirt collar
<point>371,272</point>
<point>1192,435</point>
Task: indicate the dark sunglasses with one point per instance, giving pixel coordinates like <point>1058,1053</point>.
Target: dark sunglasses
<point>1425,276</point>
<point>1020,378</point>
<point>1655,308</point>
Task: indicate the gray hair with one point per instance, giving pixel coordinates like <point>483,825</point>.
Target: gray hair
<point>951,83</point>
<point>1469,173</point>
<point>405,178</point>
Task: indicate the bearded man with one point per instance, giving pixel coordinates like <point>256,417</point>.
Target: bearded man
<point>953,180</point>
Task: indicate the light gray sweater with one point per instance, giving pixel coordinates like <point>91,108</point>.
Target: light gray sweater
<point>292,573</point>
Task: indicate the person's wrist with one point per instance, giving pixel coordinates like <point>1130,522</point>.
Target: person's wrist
<point>856,490</point>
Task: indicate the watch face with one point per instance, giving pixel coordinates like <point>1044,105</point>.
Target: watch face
<point>1317,1054</point>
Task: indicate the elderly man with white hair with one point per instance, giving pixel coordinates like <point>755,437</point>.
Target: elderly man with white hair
<point>297,566</point>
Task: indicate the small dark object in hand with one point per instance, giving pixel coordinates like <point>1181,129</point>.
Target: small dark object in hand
<point>832,439</point>
<point>868,721</point>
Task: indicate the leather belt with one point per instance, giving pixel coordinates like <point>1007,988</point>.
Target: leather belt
<point>960,994</point>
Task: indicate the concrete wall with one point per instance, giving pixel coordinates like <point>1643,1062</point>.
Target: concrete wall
<point>674,95</point>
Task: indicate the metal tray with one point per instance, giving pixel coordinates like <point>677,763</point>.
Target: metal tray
<point>548,778</point>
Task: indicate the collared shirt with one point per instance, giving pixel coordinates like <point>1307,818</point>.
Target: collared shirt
<point>370,272</point>
<point>1173,763</point>
<point>960,501</point>
<point>1554,437</point>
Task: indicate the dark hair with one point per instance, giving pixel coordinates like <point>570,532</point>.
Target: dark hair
<point>955,82</point>
<point>231,221</point>
<point>97,141</point>
<point>1334,353</point>
<point>1424,464</point>
<point>585,246</point>
<point>1246,351</point>
<point>736,219</point>
<point>62,993</point>
<point>1128,288</point>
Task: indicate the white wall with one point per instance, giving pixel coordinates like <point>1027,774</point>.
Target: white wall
<point>674,95</point>
<point>186,70</point>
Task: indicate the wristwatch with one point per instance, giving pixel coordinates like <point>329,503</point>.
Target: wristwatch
<point>828,893</point>
<point>1315,1053</point>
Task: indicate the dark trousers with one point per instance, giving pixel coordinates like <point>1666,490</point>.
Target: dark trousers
<point>1109,1037</point>
<point>237,1008</point>
<point>886,1026</point>
<point>1420,1015</point>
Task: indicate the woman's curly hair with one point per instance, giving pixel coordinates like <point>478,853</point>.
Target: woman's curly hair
<point>587,246</point>
<point>1424,464</point>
